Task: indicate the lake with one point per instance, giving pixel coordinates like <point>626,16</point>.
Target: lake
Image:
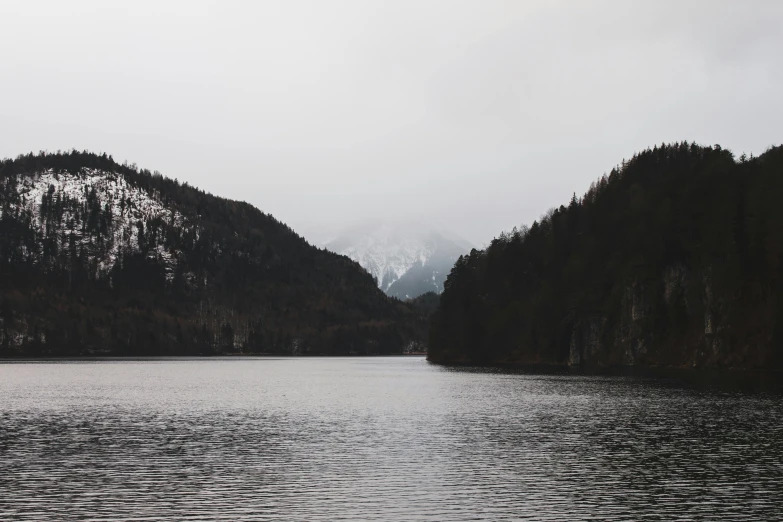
<point>392,438</point>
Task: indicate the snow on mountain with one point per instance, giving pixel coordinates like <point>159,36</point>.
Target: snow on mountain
<point>406,260</point>
<point>125,209</point>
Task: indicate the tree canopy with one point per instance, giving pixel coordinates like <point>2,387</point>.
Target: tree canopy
<point>672,259</point>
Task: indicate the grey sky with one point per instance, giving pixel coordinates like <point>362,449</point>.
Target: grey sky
<point>477,115</point>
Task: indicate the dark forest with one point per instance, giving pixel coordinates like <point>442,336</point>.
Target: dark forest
<point>673,259</point>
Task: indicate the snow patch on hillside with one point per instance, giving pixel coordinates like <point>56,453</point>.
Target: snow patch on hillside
<point>130,209</point>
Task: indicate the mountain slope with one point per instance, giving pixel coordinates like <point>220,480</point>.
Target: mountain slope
<point>97,257</point>
<point>405,260</point>
<point>675,259</point>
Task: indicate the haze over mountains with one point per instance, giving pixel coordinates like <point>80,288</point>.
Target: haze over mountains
<point>673,259</point>
<point>406,258</point>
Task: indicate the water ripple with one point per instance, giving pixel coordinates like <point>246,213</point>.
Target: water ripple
<point>376,439</point>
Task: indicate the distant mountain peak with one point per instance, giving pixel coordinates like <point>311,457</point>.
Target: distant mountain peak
<point>406,259</point>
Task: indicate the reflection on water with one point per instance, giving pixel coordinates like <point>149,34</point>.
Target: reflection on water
<point>377,439</point>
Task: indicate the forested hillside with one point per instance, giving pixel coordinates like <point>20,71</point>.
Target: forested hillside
<point>673,259</point>
<point>102,258</point>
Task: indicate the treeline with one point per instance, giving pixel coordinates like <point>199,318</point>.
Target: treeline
<point>116,260</point>
<point>673,259</point>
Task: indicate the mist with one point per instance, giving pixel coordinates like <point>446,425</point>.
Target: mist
<point>473,116</point>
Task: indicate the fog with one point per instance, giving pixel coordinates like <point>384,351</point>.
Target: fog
<point>475,116</point>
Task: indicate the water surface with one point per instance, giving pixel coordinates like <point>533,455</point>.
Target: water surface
<point>377,439</point>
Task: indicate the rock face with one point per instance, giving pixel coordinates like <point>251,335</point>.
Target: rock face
<point>406,260</point>
<point>101,258</point>
<point>673,260</point>
<point>688,301</point>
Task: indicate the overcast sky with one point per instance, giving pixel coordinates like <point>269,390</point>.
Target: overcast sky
<point>476,115</point>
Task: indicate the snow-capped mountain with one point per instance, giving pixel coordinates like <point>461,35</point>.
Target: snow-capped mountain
<point>406,260</point>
